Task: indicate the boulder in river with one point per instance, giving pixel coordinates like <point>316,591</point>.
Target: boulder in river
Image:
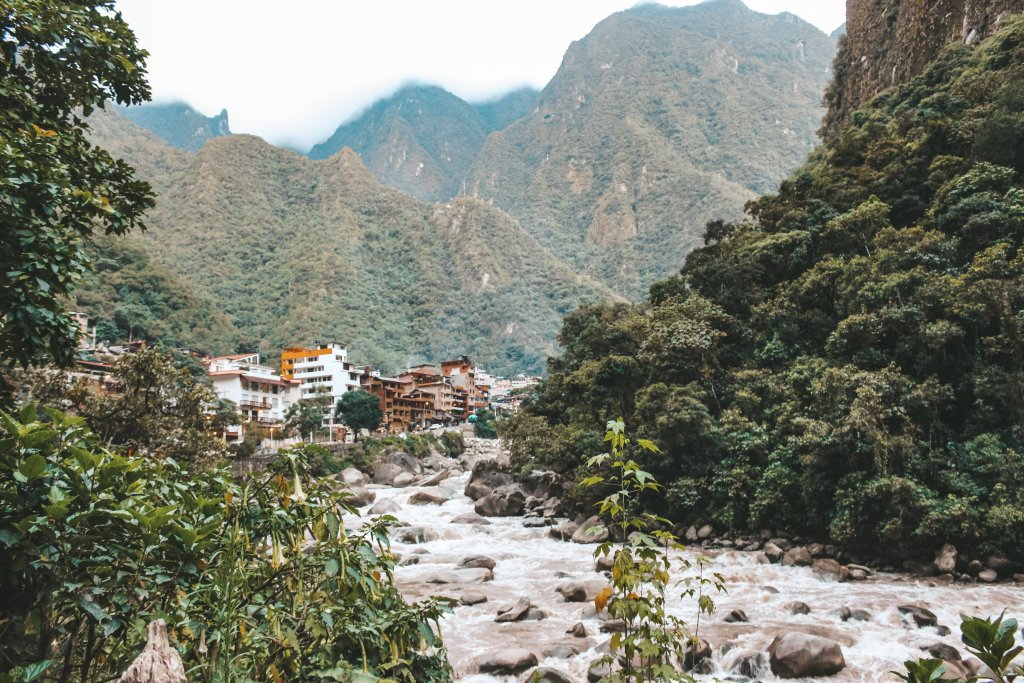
<point>475,575</point>
<point>361,497</point>
<point>353,477</point>
<point>413,534</point>
<point>472,598</point>
<point>504,501</point>
<point>798,557</point>
<point>945,559</point>
<point>999,564</point>
<point>922,617</point>
<point>385,472</point>
<point>404,479</point>
<point>507,662</point>
<point>578,630</point>
<point>580,591</point>
<point>943,651</point>
<point>696,654</point>
<point>773,552</point>
<point>516,612</point>
<point>736,616</point>
<point>799,608</point>
<point>384,507</point>
<point>471,518</point>
<point>831,569</point>
<point>798,655</point>
<point>549,675</point>
<point>486,477</point>
<point>988,576</point>
<point>476,561</point>
<point>592,530</point>
<point>426,498</point>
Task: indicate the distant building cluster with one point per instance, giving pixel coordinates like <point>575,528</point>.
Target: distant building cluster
<point>419,398</point>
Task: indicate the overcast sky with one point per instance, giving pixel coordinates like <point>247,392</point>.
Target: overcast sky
<point>290,72</point>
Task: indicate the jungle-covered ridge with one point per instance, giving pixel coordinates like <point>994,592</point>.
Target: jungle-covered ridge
<point>847,361</point>
<point>288,249</point>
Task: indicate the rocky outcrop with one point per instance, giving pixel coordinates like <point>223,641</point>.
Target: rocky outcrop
<point>507,662</point>
<point>891,42</point>
<point>504,501</point>
<point>796,655</point>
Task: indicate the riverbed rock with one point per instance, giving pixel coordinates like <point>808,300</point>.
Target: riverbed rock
<point>816,550</point>
<point>921,616</point>
<point>999,565</point>
<point>691,534</point>
<point>578,630</point>
<point>696,654</point>
<point>945,559</point>
<point>797,655</point>
<point>426,498</point>
<point>413,534</point>
<point>471,518</point>
<point>548,675</point>
<point>507,662</point>
<point>860,615</point>
<point>799,608</point>
<point>736,616</point>
<point>604,563</point>
<point>773,552</point>
<point>361,497</point>
<point>404,479</point>
<point>797,557</point>
<point>783,543</point>
<point>514,612</point>
<point>384,507</point>
<point>472,598</point>
<point>476,561</point>
<point>580,591</point>
<point>474,575</point>
<point>856,574</point>
<point>830,569</point>
<point>586,533</point>
<point>601,670</point>
<point>564,531</point>
<point>486,477</point>
<point>504,501</point>
<point>988,576</point>
<point>943,651</point>
<point>435,479</point>
<point>748,663</point>
<point>705,532</point>
<point>385,472</point>
<point>352,477</point>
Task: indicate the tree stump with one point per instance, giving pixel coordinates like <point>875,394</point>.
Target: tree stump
<point>158,662</point>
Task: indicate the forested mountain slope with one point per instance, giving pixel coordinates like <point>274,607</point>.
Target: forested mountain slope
<point>178,124</point>
<point>657,121</point>
<point>847,362</point>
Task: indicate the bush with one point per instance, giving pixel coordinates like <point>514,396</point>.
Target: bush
<point>453,444</point>
<point>94,545</point>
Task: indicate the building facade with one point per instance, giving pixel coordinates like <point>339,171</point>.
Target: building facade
<point>261,395</point>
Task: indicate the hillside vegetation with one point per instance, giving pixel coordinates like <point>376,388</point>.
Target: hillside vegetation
<point>293,250</point>
<point>848,362</point>
<point>659,120</point>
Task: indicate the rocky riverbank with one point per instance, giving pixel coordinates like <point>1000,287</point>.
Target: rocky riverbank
<point>524,590</point>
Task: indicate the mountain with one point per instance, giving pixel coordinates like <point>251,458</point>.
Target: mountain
<point>659,120</point>
<point>178,124</point>
<point>847,362</point>
<point>498,113</point>
<point>422,140</point>
<point>293,249</point>
<point>890,43</point>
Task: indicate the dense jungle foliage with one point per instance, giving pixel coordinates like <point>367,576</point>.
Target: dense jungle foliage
<point>848,362</point>
<point>258,580</point>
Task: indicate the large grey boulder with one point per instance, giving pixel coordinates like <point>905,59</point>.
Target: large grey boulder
<point>426,498</point>
<point>945,559</point>
<point>504,501</point>
<point>831,569</point>
<point>471,518</point>
<point>474,575</point>
<point>549,675</point>
<point>593,530</point>
<point>485,478</point>
<point>798,557</point>
<point>773,552</point>
<point>507,662</point>
<point>580,591</point>
<point>353,477</point>
<point>361,497</point>
<point>476,562</point>
<point>384,507</point>
<point>922,617</point>
<point>516,612</point>
<point>798,655</point>
<point>385,472</point>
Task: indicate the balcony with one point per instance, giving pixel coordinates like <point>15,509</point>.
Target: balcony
<point>254,405</point>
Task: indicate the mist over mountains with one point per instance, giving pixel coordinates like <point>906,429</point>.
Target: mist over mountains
<point>428,225</point>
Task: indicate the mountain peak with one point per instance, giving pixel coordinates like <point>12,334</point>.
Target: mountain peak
<point>178,123</point>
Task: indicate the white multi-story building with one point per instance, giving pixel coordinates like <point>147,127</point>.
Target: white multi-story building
<point>260,394</point>
<point>321,370</point>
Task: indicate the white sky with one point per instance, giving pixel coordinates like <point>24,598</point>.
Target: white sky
<point>291,72</point>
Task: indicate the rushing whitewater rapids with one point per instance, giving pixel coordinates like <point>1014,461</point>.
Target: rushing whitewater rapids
<point>531,564</point>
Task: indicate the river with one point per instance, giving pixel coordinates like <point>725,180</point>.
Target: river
<point>529,563</point>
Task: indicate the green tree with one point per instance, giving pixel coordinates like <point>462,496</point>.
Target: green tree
<point>58,62</point>
<point>158,409</point>
<point>306,417</point>
<point>360,410</point>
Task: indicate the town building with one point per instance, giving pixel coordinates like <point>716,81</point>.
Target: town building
<point>261,395</point>
<point>322,370</point>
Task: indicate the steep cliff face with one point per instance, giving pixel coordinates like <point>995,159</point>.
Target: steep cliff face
<point>888,42</point>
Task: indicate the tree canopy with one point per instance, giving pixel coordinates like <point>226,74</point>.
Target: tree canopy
<point>58,62</point>
<point>360,410</point>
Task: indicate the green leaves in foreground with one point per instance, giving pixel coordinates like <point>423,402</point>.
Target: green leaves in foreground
<point>993,642</point>
<point>258,580</point>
